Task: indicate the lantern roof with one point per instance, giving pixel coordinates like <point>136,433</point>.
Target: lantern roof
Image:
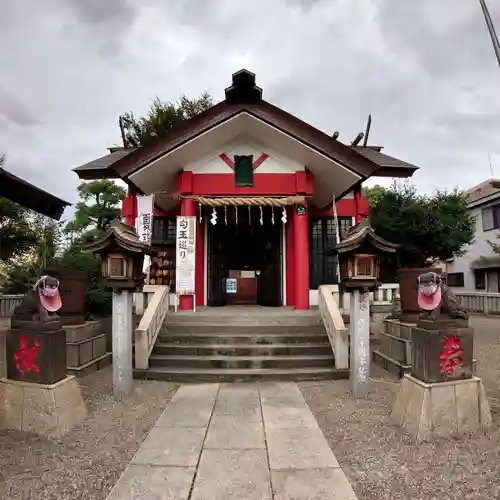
<point>359,236</point>
<point>121,235</point>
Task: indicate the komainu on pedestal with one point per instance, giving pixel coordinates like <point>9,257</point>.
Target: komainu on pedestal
<point>441,397</point>
<point>37,396</point>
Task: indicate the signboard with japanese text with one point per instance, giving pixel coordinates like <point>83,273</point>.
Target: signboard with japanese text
<point>185,255</point>
<point>144,224</point>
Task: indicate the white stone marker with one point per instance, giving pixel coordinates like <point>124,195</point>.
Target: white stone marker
<point>122,344</point>
<point>360,343</point>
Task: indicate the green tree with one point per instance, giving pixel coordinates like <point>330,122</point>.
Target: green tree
<point>374,194</point>
<point>429,228</point>
<point>161,117</point>
<point>16,234</point>
<point>99,204</point>
<point>24,268</point>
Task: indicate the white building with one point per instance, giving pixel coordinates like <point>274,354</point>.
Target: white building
<point>479,269</point>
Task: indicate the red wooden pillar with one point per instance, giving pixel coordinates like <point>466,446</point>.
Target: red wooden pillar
<point>290,259</point>
<point>301,256</point>
<point>188,208</point>
<point>200,263</point>
<point>129,207</point>
<point>357,204</point>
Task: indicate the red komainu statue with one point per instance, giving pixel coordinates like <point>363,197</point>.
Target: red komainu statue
<point>437,300</point>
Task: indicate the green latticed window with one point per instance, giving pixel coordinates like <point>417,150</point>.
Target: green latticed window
<point>243,171</point>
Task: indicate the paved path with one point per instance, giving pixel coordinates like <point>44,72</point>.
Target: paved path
<point>228,442</point>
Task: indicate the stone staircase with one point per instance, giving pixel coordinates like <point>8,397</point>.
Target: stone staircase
<point>242,344</point>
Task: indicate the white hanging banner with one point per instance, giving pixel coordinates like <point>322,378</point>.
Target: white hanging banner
<point>144,221</point>
<point>144,224</point>
<point>185,255</point>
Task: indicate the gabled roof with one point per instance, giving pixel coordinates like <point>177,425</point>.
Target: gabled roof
<point>363,233</point>
<point>388,165</point>
<point>124,236</point>
<point>243,96</point>
<point>101,167</point>
<point>22,192</point>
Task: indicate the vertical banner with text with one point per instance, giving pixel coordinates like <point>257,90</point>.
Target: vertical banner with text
<point>185,255</point>
<point>144,223</point>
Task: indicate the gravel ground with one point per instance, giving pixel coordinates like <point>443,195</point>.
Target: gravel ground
<point>89,460</point>
<point>384,464</point>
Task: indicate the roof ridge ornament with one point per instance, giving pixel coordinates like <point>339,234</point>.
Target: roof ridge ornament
<point>243,88</point>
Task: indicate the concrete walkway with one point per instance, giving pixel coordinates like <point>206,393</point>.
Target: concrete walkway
<point>241,441</point>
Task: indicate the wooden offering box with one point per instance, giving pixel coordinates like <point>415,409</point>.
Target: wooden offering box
<point>241,287</point>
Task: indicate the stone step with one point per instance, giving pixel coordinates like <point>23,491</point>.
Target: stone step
<point>167,348</point>
<point>177,374</point>
<point>311,318</point>
<point>247,329</point>
<point>240,338</point>
<point>243,362</point>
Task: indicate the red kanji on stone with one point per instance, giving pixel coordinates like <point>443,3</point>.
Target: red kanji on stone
<point>451,355</point>
<point>26,355</point>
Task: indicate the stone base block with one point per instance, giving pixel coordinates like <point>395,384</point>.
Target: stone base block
<point>81,353</point>
<point>441,409</point>
<point>398,328</point>
<point>83,331</point>
<point>92,366</point>
<point>49,410</point>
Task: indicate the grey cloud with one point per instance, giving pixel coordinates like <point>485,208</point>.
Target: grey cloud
<point>14,110</point>
<point>425,70</point>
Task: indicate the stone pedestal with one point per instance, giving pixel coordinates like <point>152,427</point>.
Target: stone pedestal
<point>441,409</point>
<point>49,410</point>
<point>442,351</point>
<point>36,352</point>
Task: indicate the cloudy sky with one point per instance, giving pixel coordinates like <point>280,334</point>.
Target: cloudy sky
<point>424,69</point>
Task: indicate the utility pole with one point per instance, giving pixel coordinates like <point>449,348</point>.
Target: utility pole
<point>491,30</point>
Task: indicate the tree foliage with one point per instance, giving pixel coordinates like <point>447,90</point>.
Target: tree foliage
<point>16,234</point>
<point>99,204</point>
<point>25,267</point>
<point>374,194</point>
<point>162,116</point>
<point>428,228</point>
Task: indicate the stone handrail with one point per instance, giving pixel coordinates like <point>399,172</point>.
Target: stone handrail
<point>8,303</point>
<point>383,296</point>
<point>331,316</point>
<point>150,325</point>
<point>480,302</point>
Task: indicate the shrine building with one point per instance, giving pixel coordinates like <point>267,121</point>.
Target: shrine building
<point>259,184</point>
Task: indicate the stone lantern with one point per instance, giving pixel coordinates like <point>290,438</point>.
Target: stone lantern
<point>122,257</point>
<point>359,261</point>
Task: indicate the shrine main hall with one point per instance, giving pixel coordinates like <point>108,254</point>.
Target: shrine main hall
<point>265,189</point>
